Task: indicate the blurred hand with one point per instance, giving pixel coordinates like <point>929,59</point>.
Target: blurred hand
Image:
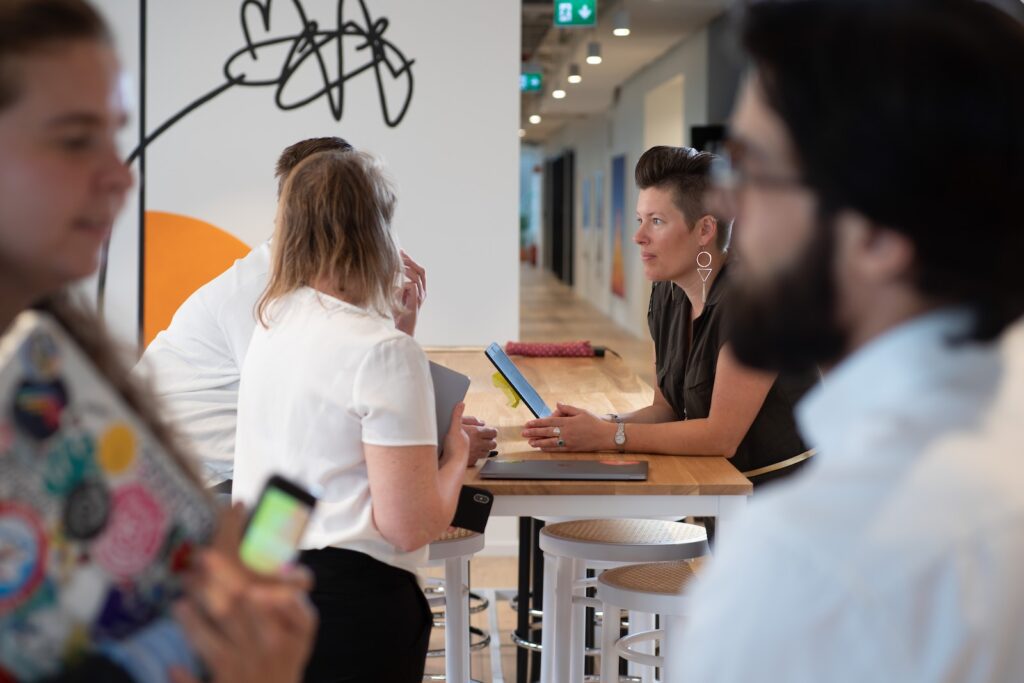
<point>413,294</point>
<point>482,439</point>
<point>243,626</point>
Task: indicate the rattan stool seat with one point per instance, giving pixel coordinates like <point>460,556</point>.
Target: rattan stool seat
<point>663,578</point>
<point>624,540</point>
<point>455,543</point>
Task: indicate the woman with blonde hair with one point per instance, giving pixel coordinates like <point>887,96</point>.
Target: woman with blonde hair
<point>333,396</point>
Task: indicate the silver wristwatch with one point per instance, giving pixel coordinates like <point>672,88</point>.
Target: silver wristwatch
<point>620,436</point>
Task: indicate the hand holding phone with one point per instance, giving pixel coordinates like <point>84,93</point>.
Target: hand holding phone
<point>474,509</point>
<point>272,536</point>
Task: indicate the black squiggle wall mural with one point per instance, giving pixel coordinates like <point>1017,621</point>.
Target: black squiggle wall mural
<point>312,46</point>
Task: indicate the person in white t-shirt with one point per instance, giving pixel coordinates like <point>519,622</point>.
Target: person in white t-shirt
<point>333,396</point>
<point>873,246</point>
<point>195,363</point>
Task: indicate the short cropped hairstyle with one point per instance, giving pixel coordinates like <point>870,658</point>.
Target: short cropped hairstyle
<point>687,174</point>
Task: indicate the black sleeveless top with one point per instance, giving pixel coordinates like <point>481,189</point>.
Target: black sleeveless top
<point>686,373</point>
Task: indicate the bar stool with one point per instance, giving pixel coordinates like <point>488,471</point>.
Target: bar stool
<point>453,550</point>
<point>570,548</point>
<point>654,588</point>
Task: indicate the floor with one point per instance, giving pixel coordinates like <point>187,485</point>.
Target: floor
<point>549,311</point>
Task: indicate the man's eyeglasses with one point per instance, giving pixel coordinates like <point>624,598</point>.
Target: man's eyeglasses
<point>728,175</point>
<point>729,181</point>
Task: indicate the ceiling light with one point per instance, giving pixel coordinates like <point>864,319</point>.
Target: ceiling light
<point>558,93</point>
<point>594,53</point>
<point>522,132</point>
<point>535,118</point>
<point>621,24</point>
<point>574,73</point>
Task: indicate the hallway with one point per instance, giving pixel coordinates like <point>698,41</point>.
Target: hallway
<point>550,311</point>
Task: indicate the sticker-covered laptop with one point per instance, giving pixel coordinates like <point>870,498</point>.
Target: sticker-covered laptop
<point>96,520</point>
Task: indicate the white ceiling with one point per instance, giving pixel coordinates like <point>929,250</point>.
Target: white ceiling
<point>655,27</point>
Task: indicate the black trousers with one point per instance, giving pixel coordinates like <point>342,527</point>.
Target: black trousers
<point>374,620</point>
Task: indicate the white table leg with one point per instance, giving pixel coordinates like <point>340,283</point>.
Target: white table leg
<point>729,509</point>
<point>672,652</point>
<point>578,626</point>
<point>456,620</point>
<point>638,623</point>
<point>549,624</point>
<point>562,642</point>
<point>610,634</point>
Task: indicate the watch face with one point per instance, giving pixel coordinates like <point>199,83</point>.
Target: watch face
<point>620,435</point>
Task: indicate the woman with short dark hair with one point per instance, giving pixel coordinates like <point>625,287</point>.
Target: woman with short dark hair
<point>705,402</point>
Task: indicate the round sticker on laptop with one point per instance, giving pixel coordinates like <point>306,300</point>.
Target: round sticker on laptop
<point>86,510</point>
<point>41,357</point>
<point>22,554</point>
<point>38,407</point>
<point>134,533</point>
<point>68,462</point>
<point>117,448</point>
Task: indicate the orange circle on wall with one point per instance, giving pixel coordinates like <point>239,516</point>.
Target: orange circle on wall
<point>181,255</point>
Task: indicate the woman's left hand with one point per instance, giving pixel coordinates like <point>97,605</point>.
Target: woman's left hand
<point>571,429</point>
<point>413,294</point>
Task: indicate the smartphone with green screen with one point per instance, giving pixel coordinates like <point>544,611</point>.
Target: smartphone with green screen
<point>271,538</point>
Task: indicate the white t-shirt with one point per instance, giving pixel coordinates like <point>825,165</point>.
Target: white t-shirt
<point>324,379</point>
<point>196,362</point>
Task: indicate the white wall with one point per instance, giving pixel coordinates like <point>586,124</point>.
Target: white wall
<point>664,115</point>
<point>454,156</point>
<point>622,130</point>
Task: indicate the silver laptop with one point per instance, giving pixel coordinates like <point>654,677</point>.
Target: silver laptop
<point>567,470</point>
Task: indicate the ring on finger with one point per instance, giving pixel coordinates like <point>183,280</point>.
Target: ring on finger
<point>557,431</point>
<point>561,443</point>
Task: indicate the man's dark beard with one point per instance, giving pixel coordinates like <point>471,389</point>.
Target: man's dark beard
<point>788,324</point>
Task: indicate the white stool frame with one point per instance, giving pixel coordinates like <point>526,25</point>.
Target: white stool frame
<point>454,555</point>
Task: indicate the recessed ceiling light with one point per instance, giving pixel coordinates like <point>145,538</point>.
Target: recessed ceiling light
<point>535,118</point>
<point>522,132</point>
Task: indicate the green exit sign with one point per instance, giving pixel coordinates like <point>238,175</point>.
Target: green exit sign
<point>530,82</point>
<point>575,13</point>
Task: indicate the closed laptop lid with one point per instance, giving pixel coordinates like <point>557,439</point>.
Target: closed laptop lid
<point>569,470</point>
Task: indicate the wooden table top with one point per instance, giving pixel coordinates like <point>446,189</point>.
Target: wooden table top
<point>603,385</point>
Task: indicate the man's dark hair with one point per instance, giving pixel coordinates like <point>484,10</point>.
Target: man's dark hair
<point>293,154</point>
<point>28,26</point>
<point>910,112</point>
<point>687,174</point>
